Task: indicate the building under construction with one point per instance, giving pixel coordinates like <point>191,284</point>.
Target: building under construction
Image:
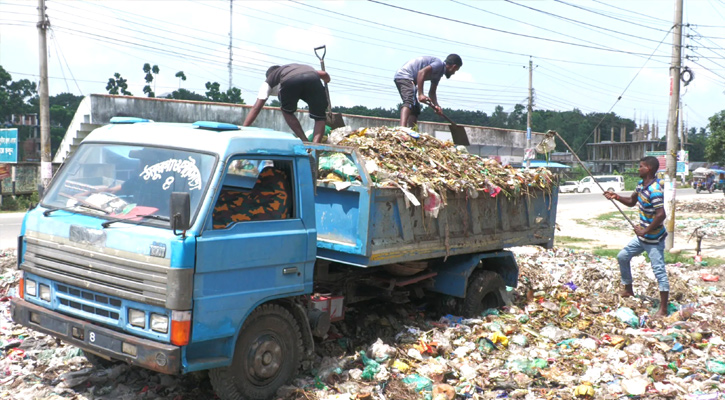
<point>618,154</point>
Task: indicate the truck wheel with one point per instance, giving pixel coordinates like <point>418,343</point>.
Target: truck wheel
<point>267,356</point>
<point>482,293</point>
<point>586,190</point>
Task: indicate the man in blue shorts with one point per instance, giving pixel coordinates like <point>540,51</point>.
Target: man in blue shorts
<point>292,83</point>
<point>410,79</point>
<point>651,233</point>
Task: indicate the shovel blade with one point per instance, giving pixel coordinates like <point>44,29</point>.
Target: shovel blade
<point>334,120</point>
<point>459,135</point>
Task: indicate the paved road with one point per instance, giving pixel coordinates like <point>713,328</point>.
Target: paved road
<point>10,229</point>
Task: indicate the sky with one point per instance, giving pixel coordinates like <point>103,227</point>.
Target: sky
<point>585,53</point>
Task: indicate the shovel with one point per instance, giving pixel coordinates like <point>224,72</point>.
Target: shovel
<point>458,133</point>
<point>333,120</point>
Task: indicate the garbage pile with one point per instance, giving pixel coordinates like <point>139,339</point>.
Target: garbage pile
<point>402,158</point>
<point>716,205</point>
<point>567,335</point>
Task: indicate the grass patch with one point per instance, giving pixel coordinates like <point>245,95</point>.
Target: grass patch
<point>616,215</point>
<point>606,252</point>
<point>569,239</point>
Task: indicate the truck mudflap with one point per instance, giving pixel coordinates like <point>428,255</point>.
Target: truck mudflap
<point>152,355</point>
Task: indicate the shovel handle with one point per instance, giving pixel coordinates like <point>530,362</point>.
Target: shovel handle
<point>442,115</point>
<point>321,57</point>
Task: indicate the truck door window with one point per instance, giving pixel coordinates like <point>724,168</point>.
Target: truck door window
<point>254,190</point>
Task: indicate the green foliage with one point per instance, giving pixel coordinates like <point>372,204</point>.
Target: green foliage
<point>16,97</point>
<point>62,108</point>
<point>149,77</point>
<point>715,149</point>
<point>232,95</point>
<point>183,94</point>
<point>697,140</point>
<point>117,85</point>
<point>181,76</point>
<point>19,203</point>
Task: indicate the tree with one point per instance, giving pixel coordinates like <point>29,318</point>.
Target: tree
<point>232,95</point>
<point>149,77</point>
<point>62,109</point>
<point>16,97</point>
<point>715,149</point>
<point>117,84</point>
<point>181,77</point>
<point>696,143</point>
<point>183,94</point>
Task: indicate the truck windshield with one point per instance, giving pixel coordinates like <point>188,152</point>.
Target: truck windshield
<point>129,182</point>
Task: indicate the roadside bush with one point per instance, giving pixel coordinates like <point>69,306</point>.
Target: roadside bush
<point>19,203</point>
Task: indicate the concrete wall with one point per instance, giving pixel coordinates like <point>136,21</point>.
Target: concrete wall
<point>508,144</point>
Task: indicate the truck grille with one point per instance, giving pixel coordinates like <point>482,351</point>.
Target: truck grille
<point>103,270</point>
<point>68,296</point>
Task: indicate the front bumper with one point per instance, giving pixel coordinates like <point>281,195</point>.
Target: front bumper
<point>152,355</point>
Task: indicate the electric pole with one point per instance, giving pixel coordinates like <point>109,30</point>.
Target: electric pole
<point>46,167</point>
<point>671,156</point>
<point>231,6</point>
<point>529,110</point>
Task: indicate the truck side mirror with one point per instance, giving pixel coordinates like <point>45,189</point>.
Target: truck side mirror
<point>41,190</point>
<point>180,211</point>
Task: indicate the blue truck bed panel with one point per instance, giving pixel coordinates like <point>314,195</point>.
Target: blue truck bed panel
<point>369,226</point>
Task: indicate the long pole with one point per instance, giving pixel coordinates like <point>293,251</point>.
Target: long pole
<point>529,110</point>
<point>671,157</point>
<point>46,167</point>
<point>231,7</point>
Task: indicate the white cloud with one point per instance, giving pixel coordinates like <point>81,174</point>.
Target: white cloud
<point>293,38</point>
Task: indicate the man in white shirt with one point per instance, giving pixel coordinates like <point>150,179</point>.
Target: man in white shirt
<point>292,83</point>
<point>410,79</point>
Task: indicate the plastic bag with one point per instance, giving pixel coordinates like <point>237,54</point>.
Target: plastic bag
<point>420,383</point>
<point>627,315</point>
<point>339,165</point>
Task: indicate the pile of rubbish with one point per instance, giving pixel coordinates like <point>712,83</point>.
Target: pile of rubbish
<point>714,206</point>
<point>567,335</point>
<point>402,158</point>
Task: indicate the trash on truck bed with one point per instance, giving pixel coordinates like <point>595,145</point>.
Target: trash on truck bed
<point>401,157</point>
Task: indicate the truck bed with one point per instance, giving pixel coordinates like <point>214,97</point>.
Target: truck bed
<point>370,226</point>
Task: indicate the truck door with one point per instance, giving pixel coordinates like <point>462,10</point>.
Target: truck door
<point>256,247</point>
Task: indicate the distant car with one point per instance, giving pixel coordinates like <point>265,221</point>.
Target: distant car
<point>612,183</point>
<point>568,187</point>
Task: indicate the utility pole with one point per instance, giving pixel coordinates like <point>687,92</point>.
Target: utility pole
<point>671,156</point>
<point>46,167</point>
<point>529,110</point>
<point>231,6</point>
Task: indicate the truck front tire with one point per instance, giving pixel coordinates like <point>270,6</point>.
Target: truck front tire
<point>267,355</point>
<point>483,292</point>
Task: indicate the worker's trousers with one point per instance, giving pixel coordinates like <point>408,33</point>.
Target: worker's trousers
<point>656,253</point>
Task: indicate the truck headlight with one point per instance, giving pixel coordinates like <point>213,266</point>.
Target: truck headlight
<point>31,288</point>
<point>137,318</point>
<point>159,323</point>
<point>45,292</point>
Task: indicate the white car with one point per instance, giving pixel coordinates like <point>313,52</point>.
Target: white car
<point>568,187</point>
<point>612,183</point>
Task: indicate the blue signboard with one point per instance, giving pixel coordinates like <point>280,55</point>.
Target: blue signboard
<point>9,145</point>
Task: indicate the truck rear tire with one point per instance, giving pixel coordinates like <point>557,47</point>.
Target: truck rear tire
<point>586,190</point>
<point>267,355</point>
<point>482,293</point>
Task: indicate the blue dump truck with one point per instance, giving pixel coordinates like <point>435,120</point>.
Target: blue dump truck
<point>188,247</point>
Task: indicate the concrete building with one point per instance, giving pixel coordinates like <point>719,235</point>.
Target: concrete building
<point>618,154</point>
<point>97,109</point>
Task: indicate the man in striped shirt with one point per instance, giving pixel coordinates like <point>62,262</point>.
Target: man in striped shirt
<point>649,197</point>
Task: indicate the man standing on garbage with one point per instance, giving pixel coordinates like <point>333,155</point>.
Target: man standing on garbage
<point>292,83</point>
<point>410,79</point>
<point>651,233</point>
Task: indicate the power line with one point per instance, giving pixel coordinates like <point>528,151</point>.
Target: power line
<point>630,11</point>
<point>504,31</point>
<point>608,16</point>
